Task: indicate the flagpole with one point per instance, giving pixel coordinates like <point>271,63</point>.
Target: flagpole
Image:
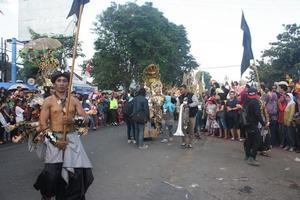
<point>256,72</point>
<point>72,67</point>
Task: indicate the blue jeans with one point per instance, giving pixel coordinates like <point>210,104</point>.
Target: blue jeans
<point>130,129</point>
<point>222,122</point>
<point>92,120</point>
<point>139,134</point>
<point>198,122</point>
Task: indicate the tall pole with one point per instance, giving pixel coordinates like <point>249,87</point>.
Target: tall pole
<point>72,67</point>
<point>14,61</point>
<point>256,72</point>
<point>5,64</point>
<point>2,60</point>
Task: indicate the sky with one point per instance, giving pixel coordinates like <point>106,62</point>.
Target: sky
<point>213,27</point>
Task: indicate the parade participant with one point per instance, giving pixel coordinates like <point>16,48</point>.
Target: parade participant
<point>265,132</point>
<point>157,101</point>
<point>254,116</point>
<point>193,103</point>
<point>67,173</point>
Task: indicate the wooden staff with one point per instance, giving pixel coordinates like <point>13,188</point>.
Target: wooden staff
<point>72,68</point>
<point>256,72</point>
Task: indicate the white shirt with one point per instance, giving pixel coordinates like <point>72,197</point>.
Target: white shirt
<point>19,114</point>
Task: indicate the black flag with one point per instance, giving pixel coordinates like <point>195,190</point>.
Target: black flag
<point>76,7</point>
<point>247,55</point>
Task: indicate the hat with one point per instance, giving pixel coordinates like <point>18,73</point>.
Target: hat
<point>252,91</point>
<point>219,91</point>
<point>60,73</point>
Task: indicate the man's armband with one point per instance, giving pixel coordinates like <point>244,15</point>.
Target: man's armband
<point>49,134</point>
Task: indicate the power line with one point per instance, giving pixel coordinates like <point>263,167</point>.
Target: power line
<point>221,67</point>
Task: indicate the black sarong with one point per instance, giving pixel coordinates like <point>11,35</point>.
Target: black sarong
<point>50,182</point>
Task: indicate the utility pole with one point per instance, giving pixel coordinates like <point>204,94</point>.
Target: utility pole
<point>2,60</point>
<point>14,61</point>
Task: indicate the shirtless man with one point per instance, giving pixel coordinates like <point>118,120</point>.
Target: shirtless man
<point>67,173</point>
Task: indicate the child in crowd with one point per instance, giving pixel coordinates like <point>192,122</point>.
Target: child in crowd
<point>211,111</point>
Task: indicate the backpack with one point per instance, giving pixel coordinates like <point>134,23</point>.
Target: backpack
<point>244,119</point>
<point>128,108</point>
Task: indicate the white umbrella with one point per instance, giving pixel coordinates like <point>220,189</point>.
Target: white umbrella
<point>43,43</point>
<point>18,85</point>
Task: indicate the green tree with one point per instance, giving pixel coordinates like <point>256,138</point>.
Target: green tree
<point>207,78</point>
<point>283,57</point>
<point>130,37</point>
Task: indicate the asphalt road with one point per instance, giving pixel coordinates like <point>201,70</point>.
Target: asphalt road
<point>213,169</point>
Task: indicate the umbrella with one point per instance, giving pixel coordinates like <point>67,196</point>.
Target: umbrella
<point>17,85</point>
<point>43,43</point>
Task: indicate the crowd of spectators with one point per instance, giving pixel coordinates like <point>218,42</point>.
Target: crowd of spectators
<point>222,113</point>
<point>17,106</point>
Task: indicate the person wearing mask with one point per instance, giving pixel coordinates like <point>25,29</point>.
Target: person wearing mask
<point>254,116</point>
<point>288,119</point>
<point>140,116</point>
<point>192,104</point>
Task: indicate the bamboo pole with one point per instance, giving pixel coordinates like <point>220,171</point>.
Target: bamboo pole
<point>72,68</point>
<point>256,72</point>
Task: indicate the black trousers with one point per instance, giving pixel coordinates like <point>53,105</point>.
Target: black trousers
<point>252,142</point>
<point>274,133</point>
<point>298,137</point>
<point>113,115</point>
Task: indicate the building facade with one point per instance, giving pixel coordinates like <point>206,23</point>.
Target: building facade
<point>44,17</point>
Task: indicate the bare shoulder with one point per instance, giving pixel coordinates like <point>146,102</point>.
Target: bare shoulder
<point>75,100</point>
<point>48,101</point>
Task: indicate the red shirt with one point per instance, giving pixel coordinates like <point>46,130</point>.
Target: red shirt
<point>281,108</point>
<point>244,96</point>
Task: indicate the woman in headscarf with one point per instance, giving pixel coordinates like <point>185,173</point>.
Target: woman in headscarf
<point>288,118</point>
<point>168,117</point>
